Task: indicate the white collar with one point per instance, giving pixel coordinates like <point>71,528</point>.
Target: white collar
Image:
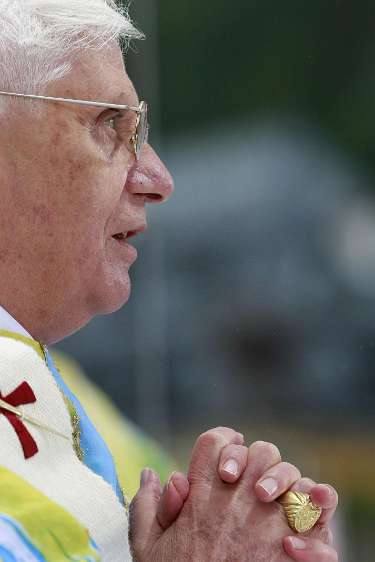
<point>7,322</point>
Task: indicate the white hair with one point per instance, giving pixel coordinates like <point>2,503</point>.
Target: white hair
<point>39,39</point>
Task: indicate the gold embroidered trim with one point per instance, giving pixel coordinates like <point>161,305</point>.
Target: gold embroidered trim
<point>39,348</point>
<point>126,503</point>
<point>76,431</point>
<point>74,418</point>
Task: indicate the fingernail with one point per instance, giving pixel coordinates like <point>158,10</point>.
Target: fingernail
<point>297,543</point>
<point>231,467</point>
<point>147,476</point>
<point>170,479</point>
<point>269,485</point>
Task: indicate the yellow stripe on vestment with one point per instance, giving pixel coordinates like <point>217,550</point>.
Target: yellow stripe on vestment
<point>50,528</point>
<point>24,339</point>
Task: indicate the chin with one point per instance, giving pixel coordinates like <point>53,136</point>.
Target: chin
<point>114,297</point>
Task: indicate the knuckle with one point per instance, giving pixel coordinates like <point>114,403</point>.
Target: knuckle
<point>268,449</point>
<point>291,470</point>
<point>218,435</point>
<point>324,534</point>
<point>333,492</point>
<point>306,482</point>
<point>242,451</point>
<point>209,439</point>
<point>237,452</point>
<point>227,434</point>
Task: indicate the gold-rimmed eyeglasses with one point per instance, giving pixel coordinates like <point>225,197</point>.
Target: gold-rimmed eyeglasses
<point>140,134</point>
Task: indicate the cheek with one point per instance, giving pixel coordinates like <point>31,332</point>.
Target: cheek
<point>71,196</point>
<point>89,198</point>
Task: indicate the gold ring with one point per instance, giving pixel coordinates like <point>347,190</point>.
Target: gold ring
<point>300,511</point>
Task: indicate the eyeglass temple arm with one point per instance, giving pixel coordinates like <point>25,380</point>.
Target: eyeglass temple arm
<point>77,102</point>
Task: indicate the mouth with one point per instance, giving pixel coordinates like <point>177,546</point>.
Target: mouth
<point>121,236</point>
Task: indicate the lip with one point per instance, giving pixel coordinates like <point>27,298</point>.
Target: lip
<point>121,237</point>
<point>129,231</point>
<point>129,252</point>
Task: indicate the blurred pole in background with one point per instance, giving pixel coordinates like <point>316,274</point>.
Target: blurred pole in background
<point>150,316</point>
<point>143,61</point>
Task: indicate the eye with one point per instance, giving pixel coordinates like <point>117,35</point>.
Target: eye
<point>112,122</point>
<point>115,128</point>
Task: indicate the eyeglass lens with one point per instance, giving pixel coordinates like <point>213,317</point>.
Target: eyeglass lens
<point>142,128</point>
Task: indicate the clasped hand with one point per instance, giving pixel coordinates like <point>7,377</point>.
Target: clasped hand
<point>223,514</point>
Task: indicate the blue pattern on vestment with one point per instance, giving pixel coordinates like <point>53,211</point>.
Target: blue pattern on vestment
<point>96,453</point>
<point>19,542</point>
<point>6,555</point>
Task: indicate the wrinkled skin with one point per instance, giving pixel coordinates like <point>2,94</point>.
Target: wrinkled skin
<point>220,521</point>
<point>69,185</point>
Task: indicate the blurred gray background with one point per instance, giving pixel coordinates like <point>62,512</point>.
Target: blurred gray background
<point>253,299</point>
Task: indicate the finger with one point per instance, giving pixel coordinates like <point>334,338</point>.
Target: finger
<point>172,500</point>
<point>304,485</point>
<point>233,461</point>
<point>261,457</point>
<point>326,497</point>
<point>206,453</point>
<point>238,439</point>
<point>309,550</point>
<point>144,527</point>
<point>321,531</point>
<point>323,495</point>
<point>276,481</point>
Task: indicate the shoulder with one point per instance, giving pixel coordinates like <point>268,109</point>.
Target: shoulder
<point>22,365</point>
<point>17,356</point>
<point>39,410</point>
<point>53,473</point>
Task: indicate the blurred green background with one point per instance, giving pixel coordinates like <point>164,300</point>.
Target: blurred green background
<point>254,297</point>
<point>223,62</point>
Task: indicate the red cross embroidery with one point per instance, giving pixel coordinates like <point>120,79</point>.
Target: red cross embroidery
<point>23,394</point>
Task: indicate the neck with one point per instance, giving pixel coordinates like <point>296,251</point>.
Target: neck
<point>45,325</point>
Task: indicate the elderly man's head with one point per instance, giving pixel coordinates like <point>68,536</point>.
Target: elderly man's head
<point>70,184</point>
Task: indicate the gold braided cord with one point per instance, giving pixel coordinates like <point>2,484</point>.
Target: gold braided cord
<point>76,431</point>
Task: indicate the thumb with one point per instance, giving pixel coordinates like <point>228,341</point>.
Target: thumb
<point>144,529</point>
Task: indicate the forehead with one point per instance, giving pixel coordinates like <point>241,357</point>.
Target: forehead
<point>99,76</point>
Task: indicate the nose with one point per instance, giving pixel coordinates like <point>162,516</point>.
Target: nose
<point>149,178</point>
